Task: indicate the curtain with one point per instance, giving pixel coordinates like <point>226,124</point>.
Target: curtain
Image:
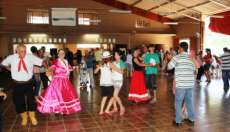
<point>220,25</point>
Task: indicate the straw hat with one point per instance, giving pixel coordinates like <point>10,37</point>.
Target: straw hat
<point>106,54</point>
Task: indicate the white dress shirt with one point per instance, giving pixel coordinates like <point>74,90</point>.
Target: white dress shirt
<point>13,61</point>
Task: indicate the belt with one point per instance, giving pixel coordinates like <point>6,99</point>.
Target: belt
<point>21,82</point>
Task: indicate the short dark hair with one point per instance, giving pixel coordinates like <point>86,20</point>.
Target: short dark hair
<point>225,49</point>
<point>119,52</point>
<point>151,46</point>
<point>130,51</point>
<point>208,50</point>
<point>184,46</point>
<point>34,49</point>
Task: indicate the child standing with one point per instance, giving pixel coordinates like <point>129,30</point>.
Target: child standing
<point>106,83</point>
<point>118,67</point>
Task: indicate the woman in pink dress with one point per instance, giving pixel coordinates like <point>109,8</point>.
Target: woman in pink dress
<point>60,96</point>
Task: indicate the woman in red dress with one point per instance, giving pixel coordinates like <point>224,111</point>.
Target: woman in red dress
<point>138,91</point>
<point>207,65</point>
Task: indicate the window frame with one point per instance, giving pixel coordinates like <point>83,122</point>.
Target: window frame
<point>30,15</point>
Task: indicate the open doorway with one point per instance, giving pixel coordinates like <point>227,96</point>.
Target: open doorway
<point>48,47</point>
<point>215,41</point>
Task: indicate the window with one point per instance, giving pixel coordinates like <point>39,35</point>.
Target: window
<point>140,23</point>
<point>88,17</point>
<point>37,16</point>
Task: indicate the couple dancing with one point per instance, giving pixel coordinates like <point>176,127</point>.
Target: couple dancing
<point>59,97</point>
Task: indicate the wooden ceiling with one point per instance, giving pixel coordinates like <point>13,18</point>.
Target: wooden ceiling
<point>175,9</point>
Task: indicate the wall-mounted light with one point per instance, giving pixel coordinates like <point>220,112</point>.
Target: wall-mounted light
<point>120,11</point>
<point>88,46</point>
<point>2,18</point>
<point>217,16</point>
<point>38,35</point>
<point>91,36</point>
<point>171,23</point>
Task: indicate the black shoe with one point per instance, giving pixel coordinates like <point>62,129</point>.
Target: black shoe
<point>190,122</point>
<point>226,90</point>
<point>177,124</point>
<point>132,103</point>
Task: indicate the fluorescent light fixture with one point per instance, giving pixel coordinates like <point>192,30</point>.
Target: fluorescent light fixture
<point>96,21</point>
<point>2,18</point>
<point>88,46</point>
<point>171,23</point>
<point>120,11</point>
<point>38,35</point>
<point>90,36</point>
<point>217,16</point>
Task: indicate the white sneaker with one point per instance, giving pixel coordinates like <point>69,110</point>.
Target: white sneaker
<point>153,101</point>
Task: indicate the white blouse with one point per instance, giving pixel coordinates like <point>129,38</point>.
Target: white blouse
<point>106,76</point>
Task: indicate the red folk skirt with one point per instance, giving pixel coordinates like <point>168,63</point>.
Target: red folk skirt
<point>138,91</point>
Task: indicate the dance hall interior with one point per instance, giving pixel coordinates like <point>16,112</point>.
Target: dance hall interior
<point>114,65</point>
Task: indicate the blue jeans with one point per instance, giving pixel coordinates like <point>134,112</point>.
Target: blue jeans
<point>226,77</point>
<point>187,96</point>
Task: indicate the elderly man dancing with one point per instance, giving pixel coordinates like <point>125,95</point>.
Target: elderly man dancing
<point>21,66</point>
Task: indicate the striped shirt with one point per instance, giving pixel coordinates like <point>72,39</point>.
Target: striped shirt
<point>225,59</point>
<point>184,70</point>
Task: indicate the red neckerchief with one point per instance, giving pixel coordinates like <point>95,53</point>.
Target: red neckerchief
<point>22,64</point>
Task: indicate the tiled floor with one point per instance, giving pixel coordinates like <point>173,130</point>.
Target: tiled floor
<point>212,113</point>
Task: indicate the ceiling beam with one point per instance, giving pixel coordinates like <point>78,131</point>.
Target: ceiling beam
<point>186,15</point>
<point>220,4</point>
<point>191,7</point>
<point>136,2</point>
<point>216,12</point>
<point>135,10</point>
<point>192,17</point>
<point>158,6</point>
<point>176,12</point>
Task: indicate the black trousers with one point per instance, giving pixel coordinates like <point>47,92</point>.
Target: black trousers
<point>151,81</point>
<point>36,83</point>
<point>44,80</point>
<point>23,97</point>
<point>1,123</point>
<point>200,72</point>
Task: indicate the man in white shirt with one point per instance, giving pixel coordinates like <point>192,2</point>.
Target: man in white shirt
<point>21,67</point>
